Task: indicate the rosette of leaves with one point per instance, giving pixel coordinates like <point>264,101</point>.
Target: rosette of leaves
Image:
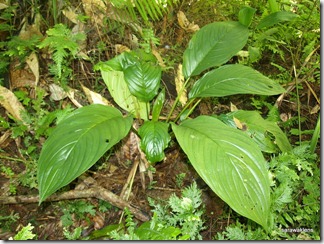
<point>226,157</point>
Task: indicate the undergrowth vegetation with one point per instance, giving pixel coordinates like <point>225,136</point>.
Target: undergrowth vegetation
<point>258,59</point>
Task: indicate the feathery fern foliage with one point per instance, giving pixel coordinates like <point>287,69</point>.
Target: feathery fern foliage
<point>62,43</point>
<point>147,9</point>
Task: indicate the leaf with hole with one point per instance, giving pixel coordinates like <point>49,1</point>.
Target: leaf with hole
<point>230,163</point>
<point>234,79</point>
<point>77,143</point>
<point>258,128</point>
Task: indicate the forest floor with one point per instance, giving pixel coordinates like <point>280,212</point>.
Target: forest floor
<point>112,171</point>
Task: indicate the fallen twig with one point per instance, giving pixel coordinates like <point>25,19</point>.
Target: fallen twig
<point>93,192</point>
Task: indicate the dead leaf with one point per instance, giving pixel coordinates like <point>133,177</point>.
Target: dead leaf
<point>3,6</point>
<point>99,10</point>
<point>29,30</point>
<point>3,139</point>
<point>73,100</point>
<point>10,102</point>
<point>71,15</point>
<point>33,64</point>
<point>98,221</point>
<point>185,24</point>
<point>57,92</point>
<point>233,107</point>
<point>158,57</point>
<point>181,90</point>
<point>95,98</point>
<point>121,48</point>
<point>285,117</point>
<point>20,77</point>
<point>315,109</point>
<point>239,124</point>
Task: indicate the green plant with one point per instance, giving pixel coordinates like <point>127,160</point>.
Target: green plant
<point>7,171</point>
<point>7,26</point>
<point>179,179</point>
<point>295,200</point>
<point>78,209</point>
<point>227,155</point>
<point>179,219</point>
<point>24,234</point>
<point>184,212</point>
<point>36,124</point>
<point>63,44</point>
<point>147,9</point>
<point>75,235</point>
<point>7,220</point>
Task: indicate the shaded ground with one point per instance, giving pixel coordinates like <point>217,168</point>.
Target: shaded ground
<point>112,171</point>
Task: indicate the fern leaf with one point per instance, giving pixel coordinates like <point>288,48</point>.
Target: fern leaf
<point>58,58</point>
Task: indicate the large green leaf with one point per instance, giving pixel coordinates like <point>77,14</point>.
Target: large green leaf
<point>77,143</point>
<point>276,18</point>
<point>143,79</point>
<point>234,79</point>
<point>230,163</point>
<point>118,89</point>
<point>213,45</point>
<point>154,139</point>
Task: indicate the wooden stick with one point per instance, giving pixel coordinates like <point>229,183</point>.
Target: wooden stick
<point>93,192</point>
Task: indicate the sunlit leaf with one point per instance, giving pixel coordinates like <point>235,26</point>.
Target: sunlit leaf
<point>234,79</point>
<point>77,143</point>
<point>118,89</point>
<point>213,45</point>
<point>230,163</point>
<point>143,80</point>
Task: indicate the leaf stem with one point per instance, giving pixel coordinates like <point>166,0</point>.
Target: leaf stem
<point>193,107</point>
<point>315,136</point>
<point>177,100</point>
<point>13,159</point>
<point>190,111</point>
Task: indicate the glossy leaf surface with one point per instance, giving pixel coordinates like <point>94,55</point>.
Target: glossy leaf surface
<point>230,163</point>
<point>234,79</point>
<point>77,143</point>
<point>143,79</point>
<point>213,45</point>
<point>118,89</point>
<point>154,139</point>
<point>157,106</point>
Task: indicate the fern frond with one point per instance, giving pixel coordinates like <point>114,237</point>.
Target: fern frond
<point>62,43</point>
<point>147,9</point>
<point>58,57</point>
